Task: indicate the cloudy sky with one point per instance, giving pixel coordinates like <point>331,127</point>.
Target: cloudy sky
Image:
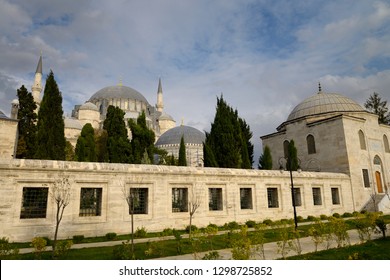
<point>264,56</point>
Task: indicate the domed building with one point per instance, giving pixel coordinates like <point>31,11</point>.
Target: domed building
<point>132,102</point>
<point>333,133</point>
<point>193,139</point>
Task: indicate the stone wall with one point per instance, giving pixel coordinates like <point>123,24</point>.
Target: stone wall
<point>113,179</point>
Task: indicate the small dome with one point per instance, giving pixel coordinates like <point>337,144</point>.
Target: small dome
<point>324,103</point>
<point>89,106</point>
<point>118,92</point>
<point>164,116</point>
<point>72,123</point>
<point>173,136</point>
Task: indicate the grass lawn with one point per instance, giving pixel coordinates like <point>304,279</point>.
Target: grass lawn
<point>378,249</point>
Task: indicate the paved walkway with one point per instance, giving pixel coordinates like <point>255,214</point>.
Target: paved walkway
<point>270,249</point>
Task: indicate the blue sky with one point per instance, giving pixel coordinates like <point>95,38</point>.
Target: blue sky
<point>264,56</point>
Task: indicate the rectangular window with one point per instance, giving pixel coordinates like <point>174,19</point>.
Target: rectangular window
<point>366,178</point>
<point>273,201</point>
<point>297,197</point>
<point>34,203</point>
<point>215,199</point>
<point>317,199</point>
<point>246,198</point>
<point>91,202</point>
<point>335,196</point>
<point>179,200</point>
<point>139,200</point>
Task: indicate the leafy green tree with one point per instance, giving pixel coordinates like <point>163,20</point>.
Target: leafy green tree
<point>226,142</point>
<point>265,160</point>
<point>118,144</point>
<point>69,152</point>
<point>142,139</point>
<point>375,105</point>
<point>27,124</point>
<point>85,146</point>
<point>182,153</point>
<point>51,140</point>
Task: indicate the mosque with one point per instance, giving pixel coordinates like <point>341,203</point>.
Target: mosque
<point>343,152</point>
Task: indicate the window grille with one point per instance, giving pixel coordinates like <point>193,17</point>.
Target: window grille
<point>335,196</point>
<point>179,200</point>
<point>34,203</point>
<point>246,198</point>
<point>139,200</point>
<point>91,201</point>
<point>317,199</point>
<point>215,199</point>
<point>273,201</point>
<point>297,197</point>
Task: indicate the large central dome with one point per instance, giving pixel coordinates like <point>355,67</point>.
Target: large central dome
<point>118,92</point>
<point>324,103</point>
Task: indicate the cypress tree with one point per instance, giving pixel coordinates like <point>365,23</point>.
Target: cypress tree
<point>227,143</point>
<point>292,163</point>
<point>85,147</point>
<point>27,124</point>
<point>142,139</point>
<point>118,144</point>
<point>182,153</point>
<point>265,160</point>
<point>51,140</point>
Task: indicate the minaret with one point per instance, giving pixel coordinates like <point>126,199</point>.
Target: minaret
<point>14,109</point>
<point>160,103</point>
<point>37,86</point>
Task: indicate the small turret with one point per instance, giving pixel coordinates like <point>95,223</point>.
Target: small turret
<point>14,109</point>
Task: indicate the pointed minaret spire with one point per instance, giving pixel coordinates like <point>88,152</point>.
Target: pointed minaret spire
<point>160,103</point>
<point>36,89</point>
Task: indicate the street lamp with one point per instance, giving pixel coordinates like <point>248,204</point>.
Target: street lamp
<point>289,165</point>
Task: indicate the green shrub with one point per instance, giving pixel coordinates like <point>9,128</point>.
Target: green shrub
<point>347,215</point>
<point>381,224</point>
<point>250,224</point>
<point>300,219</point>
<point>311,218</point>
<point>336,215</point>
<point>39,245</point>
<point>111,236</point>
<point>193,228</point>
<point>213,255</point>
<point>167,232</point>
<point>6,250</point>
<point>355,214</point>
<point>123,251</point>
<point>140,232</point>
<point>268,222</point>
<point>232,225</point>
<point>323,217</point>
<point>63,247</point>
<point>78,238</point>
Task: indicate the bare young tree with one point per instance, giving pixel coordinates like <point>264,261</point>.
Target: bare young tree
<point>193,204</point>
<point>61,195</point>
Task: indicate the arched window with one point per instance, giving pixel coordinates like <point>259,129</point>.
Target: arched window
<point>311,144</point>
<point>285,148</point>
<point>386,144</point>
<point>362,140</point>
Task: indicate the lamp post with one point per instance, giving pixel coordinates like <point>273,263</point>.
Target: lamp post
<point>289,166</point>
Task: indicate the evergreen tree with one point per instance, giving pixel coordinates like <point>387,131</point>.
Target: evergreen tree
<point>101,145</point>
<point>85,147</point>
<point>142,139</point>
<point>292,162</point>
<point>226,144</point>
<point>69,152</point>
<point>51,140</point>
<point>247,135</point>
<point>118,144</point>
<point>182,153</point>
<point>27,124</point>
<point>265,160</point>
<point>375,105</point>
